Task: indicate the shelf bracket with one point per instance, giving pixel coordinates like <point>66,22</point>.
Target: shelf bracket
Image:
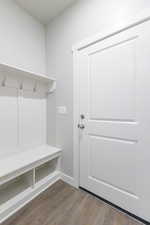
<point>52,87</point>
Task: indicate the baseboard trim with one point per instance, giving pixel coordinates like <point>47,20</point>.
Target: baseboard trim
<point>68,179</point>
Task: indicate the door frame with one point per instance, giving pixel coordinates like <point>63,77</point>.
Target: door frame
<point>139,19</point>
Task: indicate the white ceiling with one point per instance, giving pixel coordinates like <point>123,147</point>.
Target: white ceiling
<point>44,10</point>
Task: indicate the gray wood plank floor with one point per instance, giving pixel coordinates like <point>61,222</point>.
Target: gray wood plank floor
<point>62,204</point>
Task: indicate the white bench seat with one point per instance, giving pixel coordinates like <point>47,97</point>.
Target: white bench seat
<point>26,174</point>
<point>21,162</point>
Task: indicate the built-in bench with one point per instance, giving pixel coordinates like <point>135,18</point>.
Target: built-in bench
<point>26,174</point>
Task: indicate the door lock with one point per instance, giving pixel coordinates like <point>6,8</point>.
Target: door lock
<point>81,126</point>
<point>82,117</point>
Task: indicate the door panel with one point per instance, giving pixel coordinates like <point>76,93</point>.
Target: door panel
<point>117,66</point>
<point>113,154</point>
<point>114,97</point>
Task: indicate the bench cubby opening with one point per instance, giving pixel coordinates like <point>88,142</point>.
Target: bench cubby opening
<point>25,175</point>
<point>47,169</point>
<point>15,187</point>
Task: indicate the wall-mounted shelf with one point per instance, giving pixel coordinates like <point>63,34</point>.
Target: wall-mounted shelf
<point>8,73</point>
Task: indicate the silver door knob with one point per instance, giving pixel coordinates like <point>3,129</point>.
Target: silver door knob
<point>82,117</point>
<point>81,126</point>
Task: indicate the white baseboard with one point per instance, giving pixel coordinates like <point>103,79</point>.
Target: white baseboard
<point>68,179</point>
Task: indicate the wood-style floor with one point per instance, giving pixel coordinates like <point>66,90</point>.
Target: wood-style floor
<point>62,204</point>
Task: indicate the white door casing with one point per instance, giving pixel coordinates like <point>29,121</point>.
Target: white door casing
<point>114,95</point>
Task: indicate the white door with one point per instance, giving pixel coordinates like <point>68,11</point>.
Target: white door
<point>115,100</point>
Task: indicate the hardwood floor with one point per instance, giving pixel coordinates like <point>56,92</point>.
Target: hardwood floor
<point>62,204</point>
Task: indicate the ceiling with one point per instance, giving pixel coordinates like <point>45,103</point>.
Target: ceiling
<point>44,10</point>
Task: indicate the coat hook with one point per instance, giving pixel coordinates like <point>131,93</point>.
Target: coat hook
<point>21,86</point>
<point>35,87</point>
<point>4,82</point>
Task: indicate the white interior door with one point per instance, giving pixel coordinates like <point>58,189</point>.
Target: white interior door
<point>115,100</point>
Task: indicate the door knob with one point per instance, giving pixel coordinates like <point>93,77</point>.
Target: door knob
<point>81,126</point>
<point>82,116</point>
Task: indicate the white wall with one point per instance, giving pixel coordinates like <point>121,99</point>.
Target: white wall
<point>22,44</point>
<point>22,38</point>
<point>82,20</point>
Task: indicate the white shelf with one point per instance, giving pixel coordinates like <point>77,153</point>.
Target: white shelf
<point>24,161</point>
<point>45,169</point>
<point>25,194</point>
<point>25,175</point>
<point>10,70</point>
<point>12,188</point>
